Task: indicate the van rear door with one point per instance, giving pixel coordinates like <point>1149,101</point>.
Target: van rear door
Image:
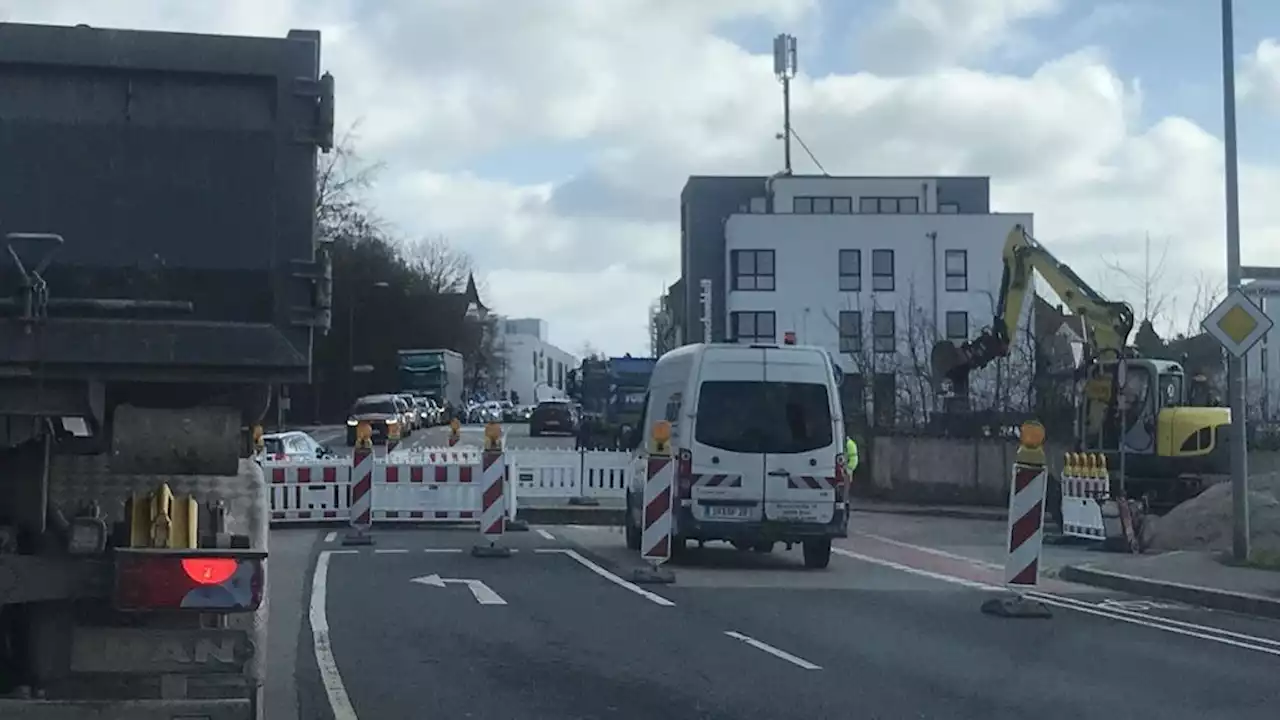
<point>726,460</point>
<point>800,460</point>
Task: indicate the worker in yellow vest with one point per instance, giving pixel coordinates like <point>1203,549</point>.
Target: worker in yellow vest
<point>850,456</point>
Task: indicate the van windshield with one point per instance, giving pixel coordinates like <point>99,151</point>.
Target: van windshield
<point>764,417</point>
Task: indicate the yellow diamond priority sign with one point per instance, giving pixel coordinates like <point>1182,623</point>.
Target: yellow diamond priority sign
<point>1237,323</point>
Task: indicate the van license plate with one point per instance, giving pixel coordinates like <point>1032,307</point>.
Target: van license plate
<point>728,512</point>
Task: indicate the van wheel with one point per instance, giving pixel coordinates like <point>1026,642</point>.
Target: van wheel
<point>632,530</point>
<point>817,553</point>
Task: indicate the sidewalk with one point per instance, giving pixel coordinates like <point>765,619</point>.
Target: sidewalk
<point>1196,578</point>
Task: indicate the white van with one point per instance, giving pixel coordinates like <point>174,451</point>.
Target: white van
<point>758,437</point>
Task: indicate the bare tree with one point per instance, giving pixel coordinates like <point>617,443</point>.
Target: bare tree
<point>441,267</point>
<point>342,181</point>
<point>1201,295</point>
<point>1148,282</point>
<point>589,352</point>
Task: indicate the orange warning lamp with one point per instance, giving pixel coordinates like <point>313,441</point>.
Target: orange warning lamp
<point>662,432</point>
<point>364,435</point>
<point>258,442</point>
<point>788,338</point>
<point>492,436</point>
<point>1031,435</point>
<point>454,426</point>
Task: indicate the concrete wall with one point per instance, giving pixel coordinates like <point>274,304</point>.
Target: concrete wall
<point>944,471</point>
<point>940,471</point>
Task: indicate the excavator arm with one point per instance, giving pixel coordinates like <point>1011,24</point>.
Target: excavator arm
<point>1108,323</point>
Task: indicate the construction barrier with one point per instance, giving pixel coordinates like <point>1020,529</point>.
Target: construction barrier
<point>438,484</point>
<point>362,467</point>
<point>493,506</point>
<point>1086,487</point>
<point>657,525</point>
<point>563,473</point>
<point>1026,528</point>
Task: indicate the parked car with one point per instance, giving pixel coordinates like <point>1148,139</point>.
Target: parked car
<point>428,413</point>
<point>411,418</point>
<point>553,416</point>
<point>380,411</point>
<point>293,444</point>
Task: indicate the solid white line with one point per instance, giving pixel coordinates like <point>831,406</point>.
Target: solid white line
<point>932,551</point>
<point>390,551</point>
<point>1176,627</point>
<point>582,560</point>
<point>974,584</point>
<point>339,701</point>
<point>780,654</point>
<point>545,534</point>
<point>331,536</point>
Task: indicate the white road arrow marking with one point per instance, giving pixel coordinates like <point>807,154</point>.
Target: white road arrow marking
<point>482,593</point>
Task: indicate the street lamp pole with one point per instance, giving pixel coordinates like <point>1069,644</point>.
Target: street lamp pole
<point>1235,365</point>
<point>351,336</point>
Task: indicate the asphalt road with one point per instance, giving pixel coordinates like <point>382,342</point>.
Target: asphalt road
<point>891,630</point>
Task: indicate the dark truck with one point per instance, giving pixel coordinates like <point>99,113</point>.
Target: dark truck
<point>611,393</point>
<point>160,278</point>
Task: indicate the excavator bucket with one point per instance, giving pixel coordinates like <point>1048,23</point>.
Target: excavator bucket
<point>944,360</point>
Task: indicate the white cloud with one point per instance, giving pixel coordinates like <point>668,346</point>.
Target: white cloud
<point>1258,76</point>
<point>653,94</point>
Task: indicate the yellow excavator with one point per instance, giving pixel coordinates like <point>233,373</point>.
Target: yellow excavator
<point>1171,444</point>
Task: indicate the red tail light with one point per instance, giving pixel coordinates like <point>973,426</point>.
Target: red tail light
<point>684,474</point>
<point>216,581</point>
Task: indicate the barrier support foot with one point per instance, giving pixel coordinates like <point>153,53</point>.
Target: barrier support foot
<point>652,576</point>
<point>490,551</point>
<point>517,526</point>
<point>1016,606</point>
<point>357,537</point>
<point>580,501</point>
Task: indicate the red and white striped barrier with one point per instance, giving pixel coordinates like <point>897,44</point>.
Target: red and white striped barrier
<point>1026,529</point>
<point>1026,525</point>
<point>361,496</point>
<point>493,504</point>
<point>655,537</point>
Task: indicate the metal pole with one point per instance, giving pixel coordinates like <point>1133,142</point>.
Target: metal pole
<point>1235,365</point>
<point>786,123</point>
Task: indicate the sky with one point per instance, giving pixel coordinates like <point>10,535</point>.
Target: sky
<point>550,139</point>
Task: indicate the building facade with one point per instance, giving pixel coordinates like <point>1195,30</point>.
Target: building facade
<point>876,270</point>
<point>535,369</point>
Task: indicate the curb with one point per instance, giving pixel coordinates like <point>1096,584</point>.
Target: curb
<point>572,515</point>
<point>942,512</point>
<point>1237,602</point>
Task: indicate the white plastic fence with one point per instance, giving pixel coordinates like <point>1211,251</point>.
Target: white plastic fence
<point>440,484</point>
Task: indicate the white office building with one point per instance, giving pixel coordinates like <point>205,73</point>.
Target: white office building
<point>876,270</point>
<point>535,369</point>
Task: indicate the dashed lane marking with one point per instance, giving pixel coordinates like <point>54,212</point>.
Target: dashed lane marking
<point>766,647</point>
<point>546,535</point>
<point>331,536</point>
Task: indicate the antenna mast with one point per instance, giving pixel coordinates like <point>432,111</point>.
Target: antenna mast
<point>784,68</point>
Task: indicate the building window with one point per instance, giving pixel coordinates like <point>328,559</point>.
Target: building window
<point>957,325</point>
<point>957,268</point>
<point>949,208</point>
<point>882,270</point>
<point>822,205</point>
<point>850,331</point>
<point>753,270</point>
<point>850,271</point>
<point>889,205</point>
<point>754,327</point>
<point>883,331</point>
